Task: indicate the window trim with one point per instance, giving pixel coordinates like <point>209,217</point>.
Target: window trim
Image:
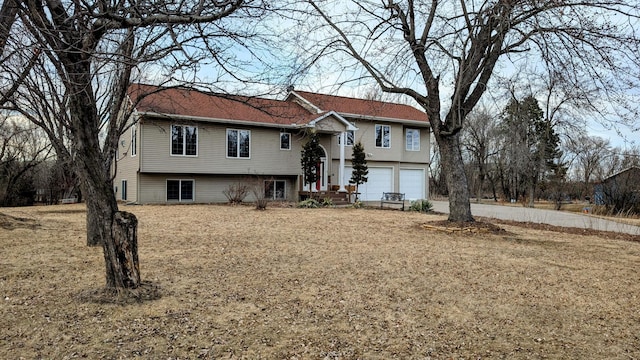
<point>134,141</point>
<point>238,145</point>
<point>284,195</point>
<point>375,134</point>
<point>413,140</point>
<point>281,148</point>
<point>180,199</point>
<point>123,189</point>
<point>346,136</point>
<point>184,141</point>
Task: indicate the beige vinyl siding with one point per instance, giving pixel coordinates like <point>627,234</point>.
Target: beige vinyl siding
<point>127,166</point>
<point>421,156</point>
<point>265,154</point>
<point>207,188</point>
<point>397,152</point>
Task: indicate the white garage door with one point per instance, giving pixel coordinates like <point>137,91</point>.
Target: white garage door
<point>379,180</point>
<point>412,183</point>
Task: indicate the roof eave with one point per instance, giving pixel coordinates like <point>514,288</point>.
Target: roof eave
<point>218,120</point>
<point>424,123</point>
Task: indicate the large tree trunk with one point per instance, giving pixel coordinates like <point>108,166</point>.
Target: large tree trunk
<point>93,227</point>
<point>532,193</point>
<point>116,231</point>
<point>453,168</point>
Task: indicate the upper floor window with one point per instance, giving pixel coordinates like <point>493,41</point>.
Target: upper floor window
<point>184,140</point>
<point>350,135</point>
<point>134,141</point>
<point>413,140</point>
<point>383,136</point>
<point>238,143</point>
<point>285,141</point>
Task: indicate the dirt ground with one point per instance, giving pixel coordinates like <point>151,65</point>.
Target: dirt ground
<point>289,283</point>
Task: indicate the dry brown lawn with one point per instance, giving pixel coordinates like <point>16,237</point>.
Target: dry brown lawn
<point>317,284</point>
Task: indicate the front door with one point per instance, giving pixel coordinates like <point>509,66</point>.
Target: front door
<point>323,176</point>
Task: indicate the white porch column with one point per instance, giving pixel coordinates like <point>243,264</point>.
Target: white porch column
<point>343,140</point>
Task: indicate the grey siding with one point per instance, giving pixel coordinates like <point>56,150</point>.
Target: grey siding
<point>126,166</point>
<point>397,152</point>
<point>207,188</point>
<point>265,154</point>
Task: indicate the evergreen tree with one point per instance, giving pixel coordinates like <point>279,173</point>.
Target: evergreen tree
<point>531,148</point>
<point>359,164</point>
<point>310,159</point>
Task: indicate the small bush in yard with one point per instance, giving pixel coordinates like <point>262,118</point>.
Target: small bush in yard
<point>236,193</point>
<point>309,204</point>
<point>327,202</point>
<point>421,205</point>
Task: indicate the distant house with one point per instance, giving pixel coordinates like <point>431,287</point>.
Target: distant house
<point>620,190</point>
<point>186,145</point>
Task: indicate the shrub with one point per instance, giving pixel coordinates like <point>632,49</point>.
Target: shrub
<point>327,202</point>
<point>309,204</point>
<point>357,204</point>
<point>261,204</point>
<point>236,193</point>
<point>421,205</point>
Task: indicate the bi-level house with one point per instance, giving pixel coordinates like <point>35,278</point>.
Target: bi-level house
<point>189,146</point>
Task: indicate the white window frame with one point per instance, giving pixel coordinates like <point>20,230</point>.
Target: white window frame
<point>281,148</point>
<point>184,140</point>
<point>180,199</point>
<point>414,145</point>
<point>284,194</point>
<point>134,141</point>
<point>375,134</point>
<point>123,190</point>
<point>346,136</point>
<point>238,144</point>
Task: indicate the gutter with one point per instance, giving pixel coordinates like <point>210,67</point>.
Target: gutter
<point>220,121</point>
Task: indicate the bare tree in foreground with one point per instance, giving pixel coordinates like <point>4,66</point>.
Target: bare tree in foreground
<point>438,50</point>
<point>80,43</point>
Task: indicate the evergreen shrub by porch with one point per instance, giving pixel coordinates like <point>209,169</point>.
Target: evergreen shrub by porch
<point>421,205</point>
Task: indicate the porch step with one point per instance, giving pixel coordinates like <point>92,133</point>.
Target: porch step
<point>337,198</point>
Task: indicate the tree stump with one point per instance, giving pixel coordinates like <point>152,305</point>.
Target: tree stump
<point>125,238</point>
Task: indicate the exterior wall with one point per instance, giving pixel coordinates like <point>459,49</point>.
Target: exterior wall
<point>366,134</point>
<point>127,166</point>
<point>207,188</point>
<point>265,154</point>
<point>213,172</point>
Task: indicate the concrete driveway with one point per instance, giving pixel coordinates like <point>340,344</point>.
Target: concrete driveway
<point>542,216</point>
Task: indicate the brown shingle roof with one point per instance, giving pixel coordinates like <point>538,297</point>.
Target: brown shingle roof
<point>194,103</point>
<point>197,104</point>
<point>371,108</point>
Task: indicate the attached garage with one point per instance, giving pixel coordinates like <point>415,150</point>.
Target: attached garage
<point>412,183</point>
<point>380,180</point>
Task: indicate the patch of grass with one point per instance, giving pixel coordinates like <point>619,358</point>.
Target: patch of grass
<point>288,283</point>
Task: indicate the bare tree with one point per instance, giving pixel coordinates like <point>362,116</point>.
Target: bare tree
<point>94,49</point>
<point>22,148</point>
<point>435,49</point>
<point>588,153</point>
<point>479,139</point>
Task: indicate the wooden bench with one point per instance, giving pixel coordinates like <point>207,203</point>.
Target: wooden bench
<point>392,198</point>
